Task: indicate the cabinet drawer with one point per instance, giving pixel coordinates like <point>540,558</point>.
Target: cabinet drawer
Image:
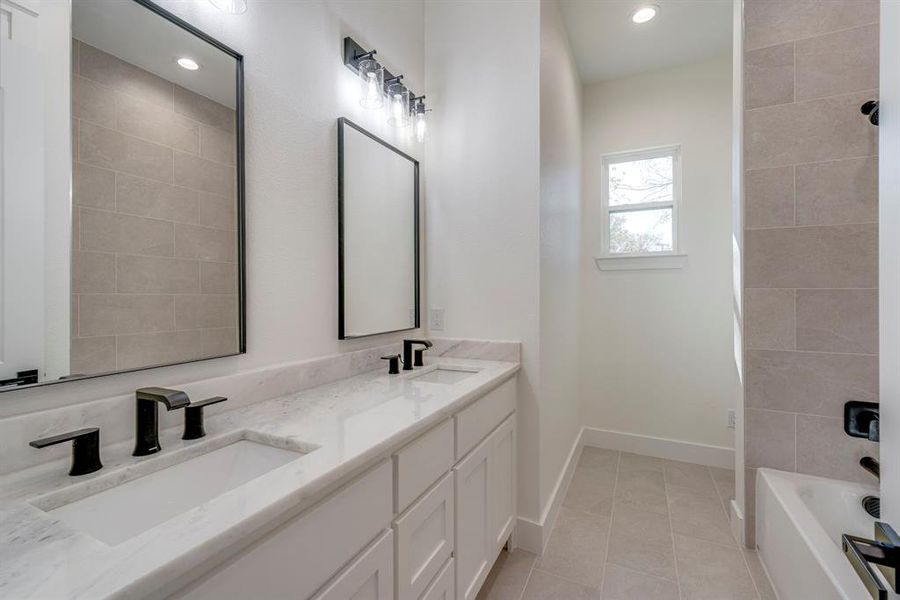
<point>442,587</point>
<point>421,463</point>
<point>424,537</point>
<point>369,577</point>
<point>479,418</point>
<point>304,553</point>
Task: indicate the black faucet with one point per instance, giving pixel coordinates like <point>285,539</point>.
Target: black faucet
<point>394,364</point>
<point>146,433</point>
<point>85,449</point>
<point>193,418</point>
<point>408,352</point>
<point>871,465</point>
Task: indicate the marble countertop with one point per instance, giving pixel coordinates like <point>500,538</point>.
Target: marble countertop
<point>344,427</point>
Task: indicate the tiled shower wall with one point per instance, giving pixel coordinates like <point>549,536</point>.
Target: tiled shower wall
<point>810,239</point>
<point>154,219</point>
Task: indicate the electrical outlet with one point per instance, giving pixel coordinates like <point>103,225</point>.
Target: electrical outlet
<point>732,419</point>
<point>436,322</point>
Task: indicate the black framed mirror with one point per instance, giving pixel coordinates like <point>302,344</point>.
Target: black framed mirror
<point>142,264</point>
<point>378,235</point>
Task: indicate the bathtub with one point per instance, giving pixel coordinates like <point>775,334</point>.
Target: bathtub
<point>799,523</point>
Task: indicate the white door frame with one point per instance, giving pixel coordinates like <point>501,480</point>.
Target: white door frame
<point>889,260</point>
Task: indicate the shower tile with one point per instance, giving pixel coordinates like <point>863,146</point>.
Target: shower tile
<point>837,63</point>
<point>836,192</point>
<point>808,382</point>
<point>219,342</point>
<point>145,274</point>
<point>769,197</point>
<point>769,76</point>
<point>111,314</point>
<point>143,349</point>
<point>112,232</point>
<point>205,243</point>
<point>93,355</point>
<point>218,278</point>
<point>769,22</point>
<point>204,110</point>
<point>93,272</point>
<point>824,449</point>
<point>771,439</point>
<point>149,198</point>
<point>204,175</point>
<point>839,256</point>
<point>206,310</point>
<point>94,187</point>
<point>157,124</point>
<point>93,103</point>
<point>769,319</point>
<point>110,149</point>
<point>837,320</point>
<point>217,144</point>
<point>219,212</point>
<point>816,130</point>
<point>122,76</point>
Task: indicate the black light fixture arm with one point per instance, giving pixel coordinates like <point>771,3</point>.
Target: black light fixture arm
<point>354,54</point>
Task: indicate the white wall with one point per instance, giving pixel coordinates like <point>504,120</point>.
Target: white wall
<point>657,353</point>
<point>560,222</point>
<point>482,187</point>
<point>296,86</point>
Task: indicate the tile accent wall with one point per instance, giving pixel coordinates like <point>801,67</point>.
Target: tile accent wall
<point>154,270</point>
<point>810,239</point>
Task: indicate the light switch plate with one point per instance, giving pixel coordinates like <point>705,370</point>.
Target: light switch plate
<point>436,322</point>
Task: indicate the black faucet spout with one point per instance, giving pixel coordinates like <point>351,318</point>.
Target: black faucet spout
<point>146,424</point>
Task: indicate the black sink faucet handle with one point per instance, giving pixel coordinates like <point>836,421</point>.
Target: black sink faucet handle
<point>193,418</point>
<point>393,364</point>
<point>85,449</point>
<point>408,352</point>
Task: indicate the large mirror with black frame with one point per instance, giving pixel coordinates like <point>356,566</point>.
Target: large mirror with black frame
<point>378,215</point>
<point>122,199</point>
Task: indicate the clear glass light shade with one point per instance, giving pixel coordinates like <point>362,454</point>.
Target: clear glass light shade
<point>231,7</point>
<point>421,125</point>
<point>398,97</point>
<point>371,84</point>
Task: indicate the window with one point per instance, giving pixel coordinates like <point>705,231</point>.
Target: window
<point>639,202</point>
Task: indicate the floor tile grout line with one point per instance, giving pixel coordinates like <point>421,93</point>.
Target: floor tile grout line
<point>672,531</point>
<point>528,577</point>
<point>612,512</point>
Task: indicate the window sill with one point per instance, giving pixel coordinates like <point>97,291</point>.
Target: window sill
<point>640,263</point>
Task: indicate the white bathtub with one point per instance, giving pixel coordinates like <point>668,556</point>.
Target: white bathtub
<point>799,523</point>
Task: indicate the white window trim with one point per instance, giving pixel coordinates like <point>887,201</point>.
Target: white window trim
<point>674,259</point>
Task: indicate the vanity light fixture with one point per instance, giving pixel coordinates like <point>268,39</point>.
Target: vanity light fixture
<point>230,7</point>
<point>376,83</point>
<point>643,14</point>
<point>188,63</point>
<point>419,121</point>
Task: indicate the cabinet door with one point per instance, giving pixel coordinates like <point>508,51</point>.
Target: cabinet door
<point>369,577</point>
<point>442,588</point>
<point>502,481</point>
<point>424,537</point>
<point>473,535</point>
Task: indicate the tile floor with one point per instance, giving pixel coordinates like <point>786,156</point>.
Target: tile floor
<point>636,528</point>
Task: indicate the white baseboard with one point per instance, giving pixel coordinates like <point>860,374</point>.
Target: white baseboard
<point>701,454</point>
<point>532,536</point>
<point>736,518</point>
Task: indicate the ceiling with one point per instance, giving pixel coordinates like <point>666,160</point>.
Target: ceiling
<point>143,38</point>
<point>608,45</point>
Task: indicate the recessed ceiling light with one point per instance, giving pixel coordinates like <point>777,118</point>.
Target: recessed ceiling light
<point>643,14</point>
<point>230,7</point>
<point>188,63</point>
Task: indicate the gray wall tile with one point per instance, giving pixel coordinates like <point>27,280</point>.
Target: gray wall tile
<point>824,449</point>
<point>205,243</point>
<point>204,110</point>
<point>769,197</point>
<point>110,149</point>
<point>205,311</point>
<point>147,274</point>
<point>769,76</point>
<point>768,22</point>
<point>115,314</point>
<point>838,320</point>
<point>837,63</point>
<point>92,186</point>
<point>115,232</point>
<point>835,192</point>
<point>771,439</point>
<point>93,272</point>
<point>769,321</point>
<point>143,349</point>
<point>204,175</point>
<point>123,77</point>
<point>150,198</point>
<point>93,355</point>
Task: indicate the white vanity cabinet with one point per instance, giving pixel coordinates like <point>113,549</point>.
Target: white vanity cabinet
<point>485,509</point>
<point>425,525</point>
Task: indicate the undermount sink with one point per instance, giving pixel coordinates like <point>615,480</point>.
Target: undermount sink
<point>122,512</point>
<point>444,375</point>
